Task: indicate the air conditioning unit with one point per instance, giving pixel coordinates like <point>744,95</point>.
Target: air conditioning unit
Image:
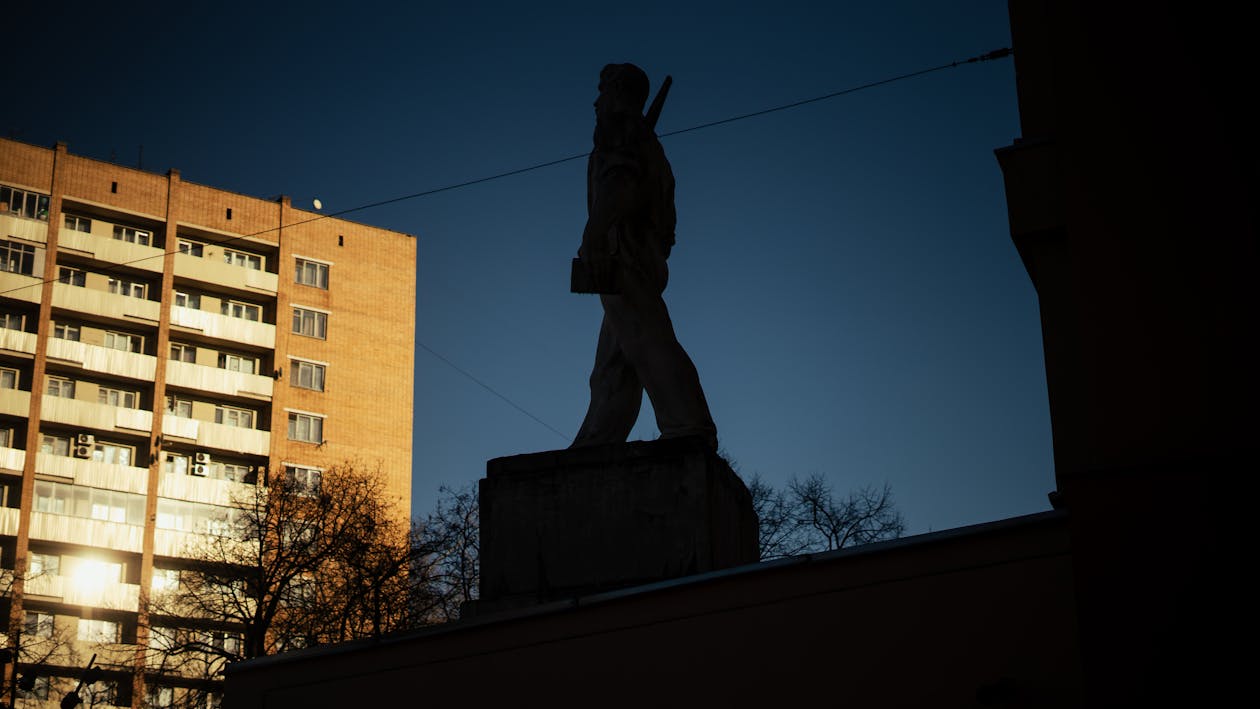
<point>200,469</point>
<point>86,439</point>
<point>203,458</point>
<point>83,451</point>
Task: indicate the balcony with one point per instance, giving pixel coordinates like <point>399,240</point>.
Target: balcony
<point>17,341</point>
<point>88,532</point>
<point>29,229</point>
<point>109,305</point>
<point>117,251</point>
<point>86,414</point>
<point>247,332</point>
<point>192,545</point>
<point>9,522</point>
<point>220,381</point>
<point>90,473</point>
<point>96,358</point>
<point>21,287</point>
<point>73,591</point>
<point>219,273</point>
<point>12,459</point>
<point>216,436</point>
<point>191,488</point>
<point>15,402</point>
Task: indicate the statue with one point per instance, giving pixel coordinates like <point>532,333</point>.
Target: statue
<point>628,236</point>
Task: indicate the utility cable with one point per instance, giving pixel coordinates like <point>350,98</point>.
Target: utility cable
<point>987,56</point>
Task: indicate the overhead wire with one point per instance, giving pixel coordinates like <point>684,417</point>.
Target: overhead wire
<point>987,56</point>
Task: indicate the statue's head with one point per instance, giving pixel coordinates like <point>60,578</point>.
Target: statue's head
<point>622,88</point>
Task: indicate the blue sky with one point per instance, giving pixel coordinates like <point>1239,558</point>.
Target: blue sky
<point>844,278</point>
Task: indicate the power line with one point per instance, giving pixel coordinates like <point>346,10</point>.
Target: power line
<point>490,389</point>
<point>987,56</point>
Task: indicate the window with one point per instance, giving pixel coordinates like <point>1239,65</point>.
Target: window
<point>242,258</point>
<point>311,273</point>
<point>306,427</point>
<point>6,441</point>
<point>49,564</point>
<point>123,286</point>
<point>60,387</point>
<point>176,464</point>
<point>176,406</point>
<point>76,223</point>
<point>89,502</point>
<point>17,258</point>
<point>310,323</point>
<point>56,445</point>
<point>38,625</point>
<point>188,300</point>
<point>123,341</point>
<point>13,321</point>
<point>98,631</point>
<point>305,480</point>
<point>24,204</point>
<point>244,311</point>
<point>237,363</point>
<point>165,579</point>
<point>112,453</point>
<point>118,397</point>
<point>71,276</point>
<point>191,248</point>
<point>235,472</point>
<point>133,236</point>
<point>231,416</point>
<point>8,378</point>
<point>183,353</point>
<point>62,331</point>
<point>307,375</point>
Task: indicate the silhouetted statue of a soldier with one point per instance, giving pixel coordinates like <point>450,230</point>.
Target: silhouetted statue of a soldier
<point>628,236</point>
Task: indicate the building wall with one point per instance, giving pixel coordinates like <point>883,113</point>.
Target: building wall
<point>366,409</point>
<point>979,616</point>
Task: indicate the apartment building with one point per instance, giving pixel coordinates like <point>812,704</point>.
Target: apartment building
<point>163,346</point>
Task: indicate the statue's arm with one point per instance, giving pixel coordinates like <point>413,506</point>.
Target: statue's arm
<point>615,196</point>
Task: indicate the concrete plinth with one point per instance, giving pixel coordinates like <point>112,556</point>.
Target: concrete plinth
<point>566,523</point>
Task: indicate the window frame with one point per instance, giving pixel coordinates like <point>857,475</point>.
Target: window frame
<point>244,259</point>
<point>59,387</point>
<point>173,403</point>
<point>74,222</point>
<point>298,366</point>
<point>295,424</point>
<point>317,318</point>
<point>17,257</point>
<point>103,395</point>
<point>226,307</point>
<point>135,343</point>
<point>187,353</point>
<point>133,235</point>
<point>61,329</point>
<point>188,247</point>
<point>16,378</point>
<point>303,267</point>
<point>71,276</point>
<point>222,412</point>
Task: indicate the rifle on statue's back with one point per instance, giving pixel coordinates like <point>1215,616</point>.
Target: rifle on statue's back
<point>597,273</point>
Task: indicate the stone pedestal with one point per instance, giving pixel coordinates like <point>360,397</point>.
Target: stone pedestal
<point>560,524</point>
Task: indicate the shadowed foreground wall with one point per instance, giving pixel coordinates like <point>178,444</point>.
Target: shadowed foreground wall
<point>934,620</point>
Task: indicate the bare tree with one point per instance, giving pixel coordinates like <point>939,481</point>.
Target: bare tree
<point>807,517</point>
<point>446,549</point>
<point>292,565</point>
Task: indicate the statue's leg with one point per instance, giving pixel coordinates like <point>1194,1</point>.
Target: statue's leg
<point>616,394</point>
<point>646,338</point>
